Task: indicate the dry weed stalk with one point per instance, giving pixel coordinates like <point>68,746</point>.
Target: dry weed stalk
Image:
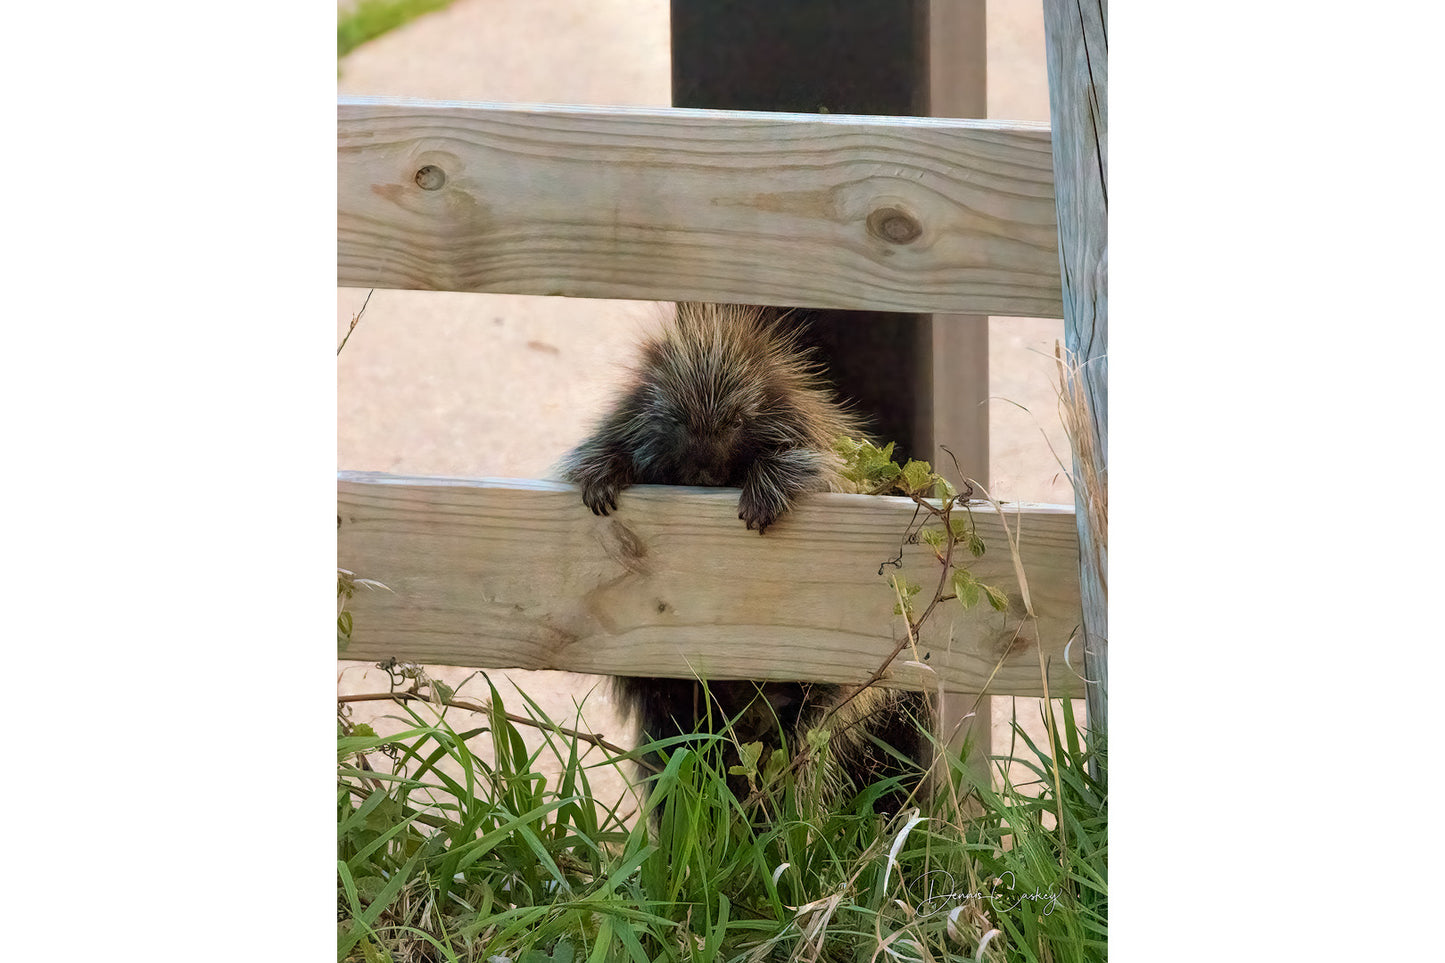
<point>1090,480</point>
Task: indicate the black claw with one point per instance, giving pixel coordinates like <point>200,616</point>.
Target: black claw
<point>750,521</point>
<point>599,501</point>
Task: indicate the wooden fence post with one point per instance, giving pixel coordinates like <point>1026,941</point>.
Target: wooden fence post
<point>958,87</point>
<point>1076,37</point>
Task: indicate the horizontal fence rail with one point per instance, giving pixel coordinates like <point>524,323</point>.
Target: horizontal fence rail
<point>505,573</point>
<point>829,211</point>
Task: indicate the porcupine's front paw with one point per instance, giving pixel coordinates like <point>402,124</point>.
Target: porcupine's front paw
<point>601,479</point>
<point>600,493</point>
<point>774,481</point>
<point>761,506</point>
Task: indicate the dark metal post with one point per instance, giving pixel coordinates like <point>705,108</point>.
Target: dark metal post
<point>841,57</point>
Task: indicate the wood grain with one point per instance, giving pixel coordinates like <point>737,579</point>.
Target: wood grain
<point>958,87</point>
<point>517,574</point>
<point>1078,62</point>
<point>891,213</point>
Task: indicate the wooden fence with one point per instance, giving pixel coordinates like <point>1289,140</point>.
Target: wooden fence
<point>516,574</point>
<point>894,214</point>
<point>889,213</point>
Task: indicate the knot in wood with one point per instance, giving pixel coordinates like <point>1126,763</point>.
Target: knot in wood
<point>624,547</point>
<point>894,226</point>
<point>430,178</point>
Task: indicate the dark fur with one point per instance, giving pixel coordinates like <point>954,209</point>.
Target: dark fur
<point>726,397</point>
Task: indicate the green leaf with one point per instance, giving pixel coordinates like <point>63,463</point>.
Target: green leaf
<point>773,768</point>
<point>367,887</point>
<point>713,941</point>
<point>931,536</point>
<point>384,817</point>
<point>966,587</point>
<point>865,463</point>
<point>348,886</point>
<point>917,476</point>
<point>907,589</point>
<point>966,534</point>
<point>876,466</point>
<point>748,755</point>
<point>997,599</point>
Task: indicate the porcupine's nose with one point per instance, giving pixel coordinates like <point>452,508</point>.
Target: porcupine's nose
<point>713,458</point>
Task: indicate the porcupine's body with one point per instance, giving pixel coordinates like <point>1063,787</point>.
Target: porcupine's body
<point>726,397</point>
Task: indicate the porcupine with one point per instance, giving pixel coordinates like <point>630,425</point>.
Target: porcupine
<point>726,396</point>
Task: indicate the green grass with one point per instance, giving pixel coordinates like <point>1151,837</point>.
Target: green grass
<point>369,19</point>
<point>459,848</point>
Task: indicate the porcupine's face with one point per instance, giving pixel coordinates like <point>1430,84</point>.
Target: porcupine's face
<point>700,428</point>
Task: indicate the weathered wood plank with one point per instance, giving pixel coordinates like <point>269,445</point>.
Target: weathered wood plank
<point>518,574</point>
<point>899,214</point>
<point>1078,62</point>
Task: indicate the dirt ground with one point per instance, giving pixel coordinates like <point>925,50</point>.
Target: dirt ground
<point>501,385</point>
